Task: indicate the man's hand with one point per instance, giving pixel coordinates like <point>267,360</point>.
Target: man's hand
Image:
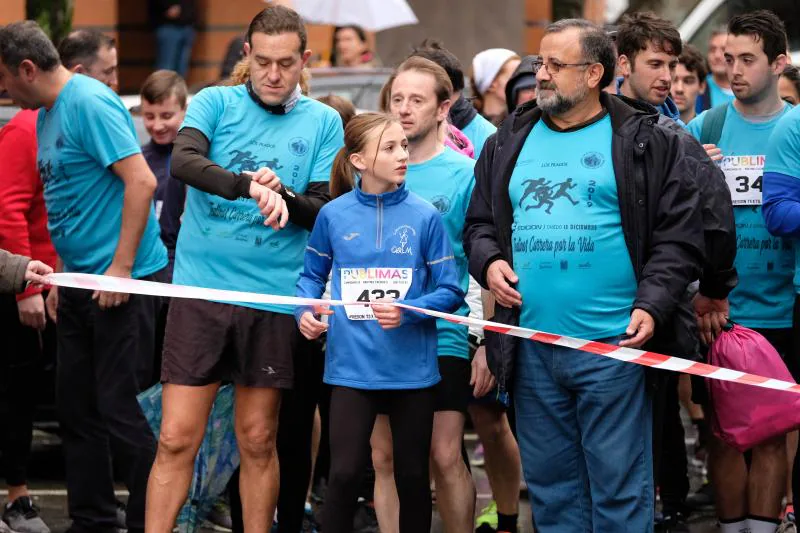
<point>712,315</point>
<point>173,12</point>
<point>35,273</point>
<point>31,312</point>
<point>310,326</point>
<point>498,277</point>
<point>271,205</point>
<point>389,316</point>
<point>481,378</point>
<point>107,300</point>
<point>266,177</point>
<point>713,152</point>
<point>640,330</point>
<point>52,304</point>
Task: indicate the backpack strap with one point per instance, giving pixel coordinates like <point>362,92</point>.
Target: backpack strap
<point>713,123</point>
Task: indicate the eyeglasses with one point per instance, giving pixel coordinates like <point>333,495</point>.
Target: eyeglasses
<point>553,66</point>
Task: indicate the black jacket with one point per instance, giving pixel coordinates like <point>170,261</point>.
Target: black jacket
<point>719,275</point>
<point>659,207</point>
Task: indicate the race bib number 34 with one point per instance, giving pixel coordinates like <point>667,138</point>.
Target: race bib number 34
<point>370,285</point>
<point>743,173</point>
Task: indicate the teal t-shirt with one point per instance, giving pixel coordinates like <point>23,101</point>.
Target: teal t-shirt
<point>447,181</point>
<point>783,157</point>
<point>79,138</point>
<point>718,95</point>
<point>477,131</point>
<point>764,296</point>
<point>575,272</point>
<point>223,244</point>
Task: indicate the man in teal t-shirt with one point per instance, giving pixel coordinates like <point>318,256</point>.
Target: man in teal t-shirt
<point>98,190</point>
<point>764,298</point>
<point>419,97</point>
<point>257,158</point>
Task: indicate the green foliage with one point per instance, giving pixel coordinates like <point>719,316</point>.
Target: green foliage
<point>54,16</point>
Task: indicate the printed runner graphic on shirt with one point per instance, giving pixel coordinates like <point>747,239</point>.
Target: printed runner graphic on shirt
<point>743,173</point>
<point>372,284</point>
<point>544,193</point>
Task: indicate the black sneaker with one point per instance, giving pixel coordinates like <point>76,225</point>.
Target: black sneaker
<point>702,499</point>
<point>366,521</point>
<point>672,522</point>
<point>22,516</point>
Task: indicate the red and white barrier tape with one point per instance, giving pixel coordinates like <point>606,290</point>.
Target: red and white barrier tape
<point>630,355</point>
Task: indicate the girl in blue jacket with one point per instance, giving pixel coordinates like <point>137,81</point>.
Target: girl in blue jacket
<point>378,242</point>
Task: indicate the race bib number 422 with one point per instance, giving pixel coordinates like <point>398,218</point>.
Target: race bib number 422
<point>743,173</point>
<point>370,285</point>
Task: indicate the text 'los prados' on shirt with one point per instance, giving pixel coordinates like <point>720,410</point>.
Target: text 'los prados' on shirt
<point>575,273</point>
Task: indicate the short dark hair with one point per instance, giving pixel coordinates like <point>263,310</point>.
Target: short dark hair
<point>693,61</point>
<point>81,47</point>
<point>596,45</point>
<point>25,40</point>
<point>640,29</point>
<point>792,73</point>
<point>162,84</point>
<point>764,26</point>
<point>433,50</point>
<point>276,19</point>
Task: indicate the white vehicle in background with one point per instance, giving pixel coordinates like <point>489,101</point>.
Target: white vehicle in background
<point>708,15</point>
<point>695,19</point>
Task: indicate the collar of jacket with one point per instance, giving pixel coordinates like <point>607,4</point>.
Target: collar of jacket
<point>387,198</point>
<point>462,112</point>
<point>620,108</point>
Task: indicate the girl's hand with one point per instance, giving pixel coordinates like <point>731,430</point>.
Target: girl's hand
<point>310,327</point>
<point>388,316</point>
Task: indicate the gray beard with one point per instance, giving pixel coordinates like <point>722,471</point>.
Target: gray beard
<point>560,104</point>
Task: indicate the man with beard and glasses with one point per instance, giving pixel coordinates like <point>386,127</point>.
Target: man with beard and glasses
<point>610,265</point>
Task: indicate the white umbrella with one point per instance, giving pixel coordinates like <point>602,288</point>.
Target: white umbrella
<point>372,15</point>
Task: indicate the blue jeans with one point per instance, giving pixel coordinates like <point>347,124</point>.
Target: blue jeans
<point>584,424</point>
<point>174,47</point>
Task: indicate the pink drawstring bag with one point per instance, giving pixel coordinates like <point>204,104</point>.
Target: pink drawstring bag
<point>745,416</point>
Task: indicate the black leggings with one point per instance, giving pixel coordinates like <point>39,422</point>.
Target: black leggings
<point>353,415</point>
<point>295,423</point>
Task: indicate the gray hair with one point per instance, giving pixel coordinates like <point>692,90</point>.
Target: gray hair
<point>25,40</point>
<point>596,45</point>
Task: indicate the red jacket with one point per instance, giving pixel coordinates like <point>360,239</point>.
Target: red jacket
<point>23,218</point>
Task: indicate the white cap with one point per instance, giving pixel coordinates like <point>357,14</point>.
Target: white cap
<point>487,64</point>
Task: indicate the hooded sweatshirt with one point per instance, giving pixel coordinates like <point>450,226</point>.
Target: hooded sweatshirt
<point>524,70</point>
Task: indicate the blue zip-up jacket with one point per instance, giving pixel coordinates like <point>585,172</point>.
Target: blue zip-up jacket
<point>388,236</point>
<point>668,108</point>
